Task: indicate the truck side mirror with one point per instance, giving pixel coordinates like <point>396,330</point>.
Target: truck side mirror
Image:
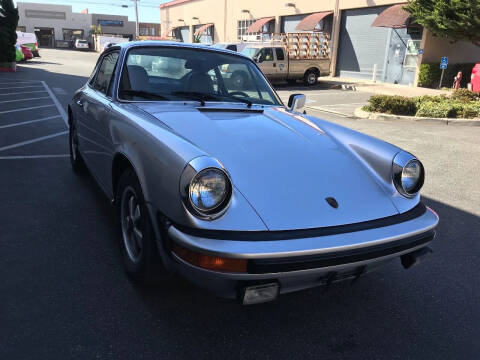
<point>296,102</point>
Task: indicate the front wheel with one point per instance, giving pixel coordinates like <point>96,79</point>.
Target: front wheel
<point>310,78</point>
<point>138,241</point>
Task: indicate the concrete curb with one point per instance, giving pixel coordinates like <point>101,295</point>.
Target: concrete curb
<point>442,121</point>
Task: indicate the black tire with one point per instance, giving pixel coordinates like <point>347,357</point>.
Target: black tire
<point>76,160</point>
<point>311,77</point>
<point>140,254</point>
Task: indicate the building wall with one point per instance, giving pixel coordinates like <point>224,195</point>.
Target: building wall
<point>127,29</point>
<point>148,27</point>
<point>458,52</point>
<point>227,13</point>
<point>71,21</point>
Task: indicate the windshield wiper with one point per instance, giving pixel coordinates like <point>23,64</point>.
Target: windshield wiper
<point>193,95</point>
<point>144,94</point>
<point>202,97</point>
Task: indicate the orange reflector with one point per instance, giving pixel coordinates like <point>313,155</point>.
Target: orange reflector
<point>210,262</point>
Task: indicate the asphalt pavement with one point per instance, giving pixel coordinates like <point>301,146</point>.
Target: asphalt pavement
<point>65,295</point>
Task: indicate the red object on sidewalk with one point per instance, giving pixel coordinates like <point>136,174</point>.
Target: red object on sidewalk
<point>458,80</point>
<point>476,78</point>
<point>27,52</point>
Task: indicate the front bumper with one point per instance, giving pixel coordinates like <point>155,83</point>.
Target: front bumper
<point>299,263</point>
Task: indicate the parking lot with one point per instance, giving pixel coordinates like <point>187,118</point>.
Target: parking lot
<point>65,294</point>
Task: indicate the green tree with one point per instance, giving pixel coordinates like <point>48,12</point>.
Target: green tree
<point>8,27</point>
<point>455,19</point>
<point>96,30</point>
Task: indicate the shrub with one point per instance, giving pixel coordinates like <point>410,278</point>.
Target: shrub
<point>429,75</point>
<point>470,110</point>
<point>465,95</point>
<point>446,109</point>
<point>398,105</point>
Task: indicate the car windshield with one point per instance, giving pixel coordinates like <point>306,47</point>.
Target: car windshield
<point>179,74</point>
<point>250,52</point>
<point>82,41</point>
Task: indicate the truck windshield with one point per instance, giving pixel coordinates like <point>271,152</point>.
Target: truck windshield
<point>179,74</point>
<point>250,52</point>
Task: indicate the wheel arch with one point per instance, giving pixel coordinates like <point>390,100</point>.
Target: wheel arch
<point>313,68</point>
<point>120,164</point>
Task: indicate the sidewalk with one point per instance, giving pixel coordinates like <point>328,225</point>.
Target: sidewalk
<point>369,86</point>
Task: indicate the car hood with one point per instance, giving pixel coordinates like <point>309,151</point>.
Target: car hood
<point>284,165</point>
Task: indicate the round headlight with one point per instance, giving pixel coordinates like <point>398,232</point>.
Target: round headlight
<point>408,174</point>
<point>209,191</point>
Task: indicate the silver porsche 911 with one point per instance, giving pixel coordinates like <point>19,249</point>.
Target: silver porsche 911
<point>232,189</point>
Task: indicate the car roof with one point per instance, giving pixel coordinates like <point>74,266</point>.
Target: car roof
<point>156,43</point>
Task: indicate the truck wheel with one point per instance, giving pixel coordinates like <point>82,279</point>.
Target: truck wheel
<point>239,80</point>
<point>311,77</point>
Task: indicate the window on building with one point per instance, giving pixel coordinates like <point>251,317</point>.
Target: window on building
<point>207,36</point>
<point>411,55</point>
<point>242,27</point>
<point>22,28</point>
<point>72,34</point>
<point>105,73</point>
<point>152,31</point>
<point>142,31</point>
<point>110,23</point>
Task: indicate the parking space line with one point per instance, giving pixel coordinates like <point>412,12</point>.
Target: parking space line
<point>57,104</point>
<point>23,143</point>
<point>29,122</point>
<point>28,108</point>
<point>20,82</point>
<point>17,157</point>
<point>23,92</point>
<point>28,99</point>
<point>19,87</point>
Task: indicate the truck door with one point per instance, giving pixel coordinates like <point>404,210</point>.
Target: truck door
<point>281,64</point>
<point>266,62</point>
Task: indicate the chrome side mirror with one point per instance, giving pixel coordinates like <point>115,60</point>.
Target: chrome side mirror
<point>296,102</point>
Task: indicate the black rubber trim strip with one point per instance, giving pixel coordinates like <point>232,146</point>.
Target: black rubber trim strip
<point>263,266</point>
<point>212,109</point>
<point>416,212</point>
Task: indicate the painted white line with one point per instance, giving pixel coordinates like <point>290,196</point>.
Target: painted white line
<point>19,87</point>
<point>57,104</point>
<point>360,103</point>
<point>15,157</point>
<point>23,143</point>
<point>28,108</point>
<point>29,122</point>
<point>20,93</point>
<point>20,82</point>
<point>27,99</point>
<point>59,91</point>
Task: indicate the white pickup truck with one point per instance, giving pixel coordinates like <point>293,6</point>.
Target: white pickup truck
<point>278,64</point>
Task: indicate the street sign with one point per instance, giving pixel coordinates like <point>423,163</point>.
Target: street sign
<point>444,61</point>
<point>443,66</point>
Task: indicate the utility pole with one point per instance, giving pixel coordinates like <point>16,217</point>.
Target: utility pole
<point>136,19</point>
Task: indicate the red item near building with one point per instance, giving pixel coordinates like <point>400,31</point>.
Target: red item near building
<point>476,78</point>
<point>457,80</point>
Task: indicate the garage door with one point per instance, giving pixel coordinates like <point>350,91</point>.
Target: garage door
<point>289,23</point>
<point>361,46</point>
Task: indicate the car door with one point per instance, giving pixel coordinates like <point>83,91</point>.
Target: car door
<point>281,64</point>
<point>98,149</point>
<point>266,62</point>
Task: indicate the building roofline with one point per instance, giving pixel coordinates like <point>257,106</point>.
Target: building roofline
<point>173,3</point>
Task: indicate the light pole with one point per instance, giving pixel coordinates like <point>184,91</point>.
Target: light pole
<point>136,19</point>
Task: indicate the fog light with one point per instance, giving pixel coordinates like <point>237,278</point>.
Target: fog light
<point>260,293</point>
<point>210,262</point>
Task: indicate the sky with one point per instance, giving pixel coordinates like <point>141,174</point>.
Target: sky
<point>148,10</point>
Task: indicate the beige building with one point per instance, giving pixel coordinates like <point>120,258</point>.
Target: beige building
<point>389,51</point>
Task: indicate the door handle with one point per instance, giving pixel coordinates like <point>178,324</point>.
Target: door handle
<point>274,64</point>
<point>80,103</point>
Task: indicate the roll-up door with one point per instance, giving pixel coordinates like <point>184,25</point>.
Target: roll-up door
<point>361,46</point>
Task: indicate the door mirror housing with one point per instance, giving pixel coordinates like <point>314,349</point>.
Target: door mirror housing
<point>296,102</point>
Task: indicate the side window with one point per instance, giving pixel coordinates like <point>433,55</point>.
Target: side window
<point>232,47</point>
<point>266,54</point>
<point>105,73</point>
<point>279,53</point>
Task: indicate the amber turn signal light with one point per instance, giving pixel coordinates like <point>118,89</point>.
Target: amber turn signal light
<point>215,263</point>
